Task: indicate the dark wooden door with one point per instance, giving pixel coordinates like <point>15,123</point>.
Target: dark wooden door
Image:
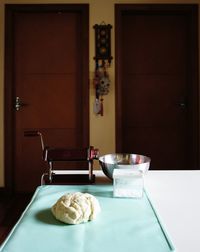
<point>157,84</point>
<point>50,68</point>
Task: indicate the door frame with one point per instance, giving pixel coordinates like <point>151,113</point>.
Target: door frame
<point>9,88</point>
<point>191,10</point>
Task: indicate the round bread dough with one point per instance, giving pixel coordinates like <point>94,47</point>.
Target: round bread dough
<point>75,208</point>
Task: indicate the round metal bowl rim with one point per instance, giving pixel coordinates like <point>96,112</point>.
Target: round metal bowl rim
<point>147,161</point>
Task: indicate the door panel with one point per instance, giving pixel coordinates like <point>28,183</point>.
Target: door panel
<point>152,38</point>
<point>42,37</point>
<point>52,84</point>
<point>49,113</point>
<point>154,87</point>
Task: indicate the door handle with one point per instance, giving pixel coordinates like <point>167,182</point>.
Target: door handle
<point>18,103</point>
<point>183,103</point>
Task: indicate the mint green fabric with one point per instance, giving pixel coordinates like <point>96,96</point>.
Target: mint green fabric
<point>124,225</point>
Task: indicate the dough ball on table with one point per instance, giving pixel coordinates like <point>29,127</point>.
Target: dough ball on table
<point>75,208</point>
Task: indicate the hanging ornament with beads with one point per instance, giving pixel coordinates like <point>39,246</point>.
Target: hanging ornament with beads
<point>102,62</point>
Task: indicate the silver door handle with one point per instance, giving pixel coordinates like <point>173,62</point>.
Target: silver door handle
<point>18,103</point>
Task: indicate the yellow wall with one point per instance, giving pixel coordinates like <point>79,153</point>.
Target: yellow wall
<point>102,129</point>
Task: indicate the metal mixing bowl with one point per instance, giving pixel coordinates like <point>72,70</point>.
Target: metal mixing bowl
<point>110,162</point>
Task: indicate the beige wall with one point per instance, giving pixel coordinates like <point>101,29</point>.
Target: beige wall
<point>102,129</point>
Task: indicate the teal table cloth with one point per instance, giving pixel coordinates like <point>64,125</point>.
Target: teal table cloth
<point>124,225</point>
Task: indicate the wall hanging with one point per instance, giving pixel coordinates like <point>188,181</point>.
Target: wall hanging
<point>102,63</point>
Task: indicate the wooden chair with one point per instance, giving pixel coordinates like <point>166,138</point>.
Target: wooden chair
<point>67,176</point>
